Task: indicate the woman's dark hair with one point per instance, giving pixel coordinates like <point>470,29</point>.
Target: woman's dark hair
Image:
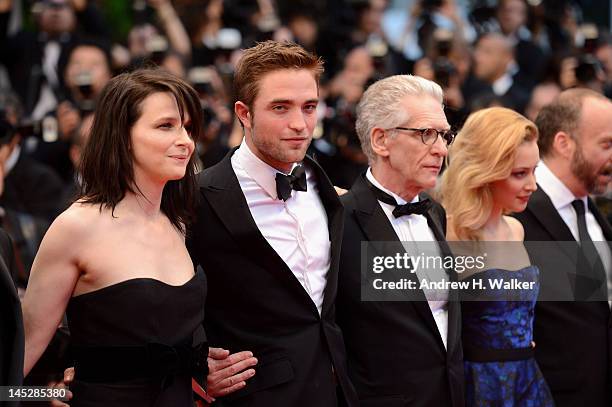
<point>107,164</point>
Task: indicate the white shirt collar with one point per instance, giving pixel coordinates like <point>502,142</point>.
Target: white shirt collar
<point>263,174</point>
<point>398,199</point>
<point>501,86</point>
<point>12,160</point>
<point>559,194</point>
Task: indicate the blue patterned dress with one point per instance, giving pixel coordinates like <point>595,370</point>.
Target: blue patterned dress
<point>500,370</point>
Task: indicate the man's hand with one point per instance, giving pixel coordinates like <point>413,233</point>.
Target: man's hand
<point>68,119</point>
<point>226,372</point>
<point>78,5</point>
<point>5,6</point>
<point>68,378</point>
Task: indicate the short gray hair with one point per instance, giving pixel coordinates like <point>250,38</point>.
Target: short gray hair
<point>379,105</point>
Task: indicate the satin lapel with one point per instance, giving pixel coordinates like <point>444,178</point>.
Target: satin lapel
<point>543,209</point>
<point>335,224</point>
<point>370,215</point>
<point>221,189</point>
<point>454,312</point>
<point>376,228</point>
<point>607,232</point>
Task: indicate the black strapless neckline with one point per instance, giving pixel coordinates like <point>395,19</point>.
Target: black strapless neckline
<point>134,281</point>
<point>135,316</point>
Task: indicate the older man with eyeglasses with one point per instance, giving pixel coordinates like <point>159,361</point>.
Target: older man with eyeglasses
<point>401,350</point>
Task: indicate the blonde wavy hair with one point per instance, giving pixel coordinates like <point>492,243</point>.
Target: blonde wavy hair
<point>483,152</point>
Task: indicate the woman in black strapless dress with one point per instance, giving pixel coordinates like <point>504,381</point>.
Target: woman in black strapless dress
<point>116,259</point>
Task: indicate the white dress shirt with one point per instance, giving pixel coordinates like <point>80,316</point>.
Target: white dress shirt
<point>561,198</point>
<point>296,229</point>
<point>47,100</point>
<point>502,84</point>
<point>412,230</point>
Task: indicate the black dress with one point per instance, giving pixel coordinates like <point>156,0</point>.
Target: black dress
<point>133,343</point>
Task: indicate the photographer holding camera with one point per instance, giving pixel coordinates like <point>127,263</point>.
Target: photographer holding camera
<point>447,63</point>
<point>28,190</point>
<point>87,70</point>
<point>217,120</point>
<point>33,59</point>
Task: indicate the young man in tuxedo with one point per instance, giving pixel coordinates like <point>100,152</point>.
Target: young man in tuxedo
<point>268,234</point>
<point>405,352</point>
<point>573,339</point>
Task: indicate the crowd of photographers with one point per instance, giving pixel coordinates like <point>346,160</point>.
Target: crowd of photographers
<point>56,56</point>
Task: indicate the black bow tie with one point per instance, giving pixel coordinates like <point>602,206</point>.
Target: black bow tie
<point>416,208</point>
<point>285,183</point>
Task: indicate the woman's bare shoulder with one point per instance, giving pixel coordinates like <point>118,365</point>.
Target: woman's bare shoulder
<point>516,227</point>
<point>78,219</point>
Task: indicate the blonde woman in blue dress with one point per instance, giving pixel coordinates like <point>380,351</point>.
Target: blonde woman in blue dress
<point>490,175</point>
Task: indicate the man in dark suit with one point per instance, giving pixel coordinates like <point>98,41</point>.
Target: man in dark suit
<point>573,340</point>
<point>496,73</point>
<point>11,323</point>
<point>268,233</point>
<point>29,193</point>
<point>511,19</point>
<point>406,352</point>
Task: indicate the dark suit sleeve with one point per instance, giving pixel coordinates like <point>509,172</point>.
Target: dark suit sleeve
<point>7,254</point>
<point>92,22</point>
<point>7,48</point>
<point>11,321</point>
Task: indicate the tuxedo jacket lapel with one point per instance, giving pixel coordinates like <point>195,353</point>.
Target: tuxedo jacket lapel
<point>335,223</point>
<point>377,228</point>
<point>436,219</point>
<point>222,190</point>
<point>544,210</point>
<point>605,228</point>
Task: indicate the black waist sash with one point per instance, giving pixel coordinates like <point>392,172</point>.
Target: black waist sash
<point>154,361</point>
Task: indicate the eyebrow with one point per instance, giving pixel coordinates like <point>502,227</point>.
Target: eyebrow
<point>171,119</point>
<point>164,118</point>
<point>289,101</point>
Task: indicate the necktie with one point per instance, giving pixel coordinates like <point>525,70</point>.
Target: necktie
<point>591,258</point>
<point>294,181</point>
<point>416,208</point>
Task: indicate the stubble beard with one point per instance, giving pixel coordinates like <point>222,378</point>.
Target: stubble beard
<point>584,171</point>
<point>275,152</point>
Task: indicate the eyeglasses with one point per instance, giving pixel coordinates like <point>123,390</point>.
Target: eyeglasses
<point>429,136</point>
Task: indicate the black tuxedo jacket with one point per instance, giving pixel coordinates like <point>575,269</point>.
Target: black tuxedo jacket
<point>32,188</point>
<point>516,97</point>
<point>11,322</point>
<point>255,303</point>
<point>396,356</point>
<point>572,338</point>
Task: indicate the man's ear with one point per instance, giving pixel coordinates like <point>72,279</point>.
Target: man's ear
<point>243,114</point>
<point>563,145</point>
<point>378,141</point>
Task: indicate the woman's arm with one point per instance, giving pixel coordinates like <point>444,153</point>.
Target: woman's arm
<point>173,27</point>
<point>52,280</point>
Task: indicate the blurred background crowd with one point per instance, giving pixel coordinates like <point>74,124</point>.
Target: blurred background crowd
<point>56,56</point>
